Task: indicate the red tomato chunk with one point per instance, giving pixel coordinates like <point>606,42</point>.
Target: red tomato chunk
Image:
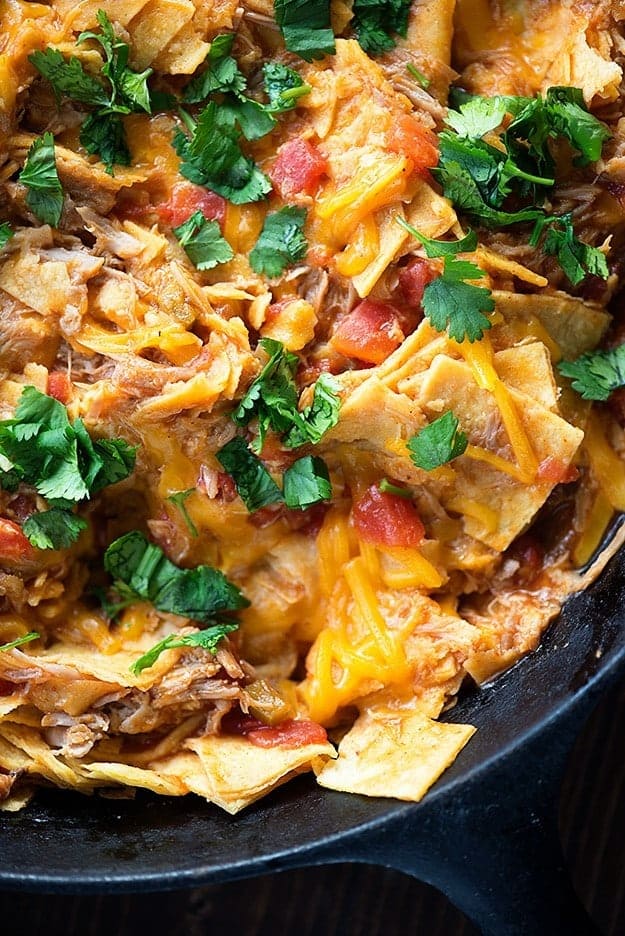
<point>369,333</point>
<point>413,278</point>
<point>59,386</point>
<point>298,168</point>
<point>290,733</point>
<point>413,141</point>
<point>387,519</point>
<point>14,546</point>
<point>186,198</point>
<point>556,471</point>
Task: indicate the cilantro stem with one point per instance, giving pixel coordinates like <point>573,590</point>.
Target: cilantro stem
<point>187,120</point>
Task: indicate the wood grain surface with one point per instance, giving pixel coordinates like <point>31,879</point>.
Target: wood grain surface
<point>352,900</point>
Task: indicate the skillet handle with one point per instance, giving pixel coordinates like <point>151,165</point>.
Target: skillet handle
<point>492,845</point>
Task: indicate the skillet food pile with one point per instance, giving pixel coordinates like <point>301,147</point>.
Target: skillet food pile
<point>311,396</point>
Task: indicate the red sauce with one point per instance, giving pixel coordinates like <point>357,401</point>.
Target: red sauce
<point>291,733</point>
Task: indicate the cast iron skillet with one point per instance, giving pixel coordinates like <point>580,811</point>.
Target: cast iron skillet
<point>485,834</point>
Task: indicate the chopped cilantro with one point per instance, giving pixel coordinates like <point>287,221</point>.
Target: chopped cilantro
<point>319,417</point>
<point>569,118</point>
<point>69,78</point>
<point>436,248</point>
<point>223,76</point>
<point>178,500</point>
<point>39,175</point>
<point>377,21</point>
<point>211,156</point>
<point>222,72</point>
<point>19,641</point>
<point>272,399</point>
<point>281,242</point>
<point>438,443</point>
<point>142,572</point>
<point>208,639</point>
<point>203,242</point>
<point>5,234</point>
<point>125,92</point>
<point>53,529</point>
<point>478,173</point>
<point>478,116</point>
<point>306,482</point>
<point>254,484</point>
<point>596,374</point>
<point>284,87</point>
<point>576,258</point>
<point>306,27</point>
<point>40,447</point>
<point>453,304</point>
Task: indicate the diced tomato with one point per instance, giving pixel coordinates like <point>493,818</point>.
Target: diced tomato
<point>408,137</point>
<point>555,471</point>
<point>59,386</point>
<point>13,544</point>
<point>387,519</point>
<point>369,333</point>
<point>413,278</point>
<point>186,198</point>
<point>308,521</point>
<point>290,733</point>
<point>298,168</point>
<point>530,555</point>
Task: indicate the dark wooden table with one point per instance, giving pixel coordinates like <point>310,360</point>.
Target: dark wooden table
<point>351,900</point>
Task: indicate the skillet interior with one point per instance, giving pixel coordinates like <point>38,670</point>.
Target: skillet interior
<point>67,842</point>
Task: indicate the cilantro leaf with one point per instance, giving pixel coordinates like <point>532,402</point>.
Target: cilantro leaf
<point>436,248</point>
<point>5,234</point>
<point>438,443</point>
<point>103,135</point>
<point>284,87</point>
<point>318,418</point>
<point>211,156</point>
<point>178,500</point>
<point>59,459</point>
<point>478,116</point>
<point>576,258</point>
<point>281,242</point>
<point>305,26</point>
<point>377,21</point>
<point>272,398</point>
<point>254,484</point>
<point>460,187</point>
<point>142,571</point>
<point>570,119</point>
<point>53,529</point>
<point>253,118</point>
<point>129,89</point>
<point>208,639</point>
<point>19,641</point>
<point>222,73</point>
<point>125,92</point>
<point>596,374</point>
<point>39,175</point>
<point>306,482</point>
<point>451,303</point>
<point>203,242</point>
<point>69,78</point>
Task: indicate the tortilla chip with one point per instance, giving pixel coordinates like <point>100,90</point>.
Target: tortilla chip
<point>17,800</point>
<point>42,760</point>
<point>238,772</point>
<point>394,755</point>
<point>125,775</point>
